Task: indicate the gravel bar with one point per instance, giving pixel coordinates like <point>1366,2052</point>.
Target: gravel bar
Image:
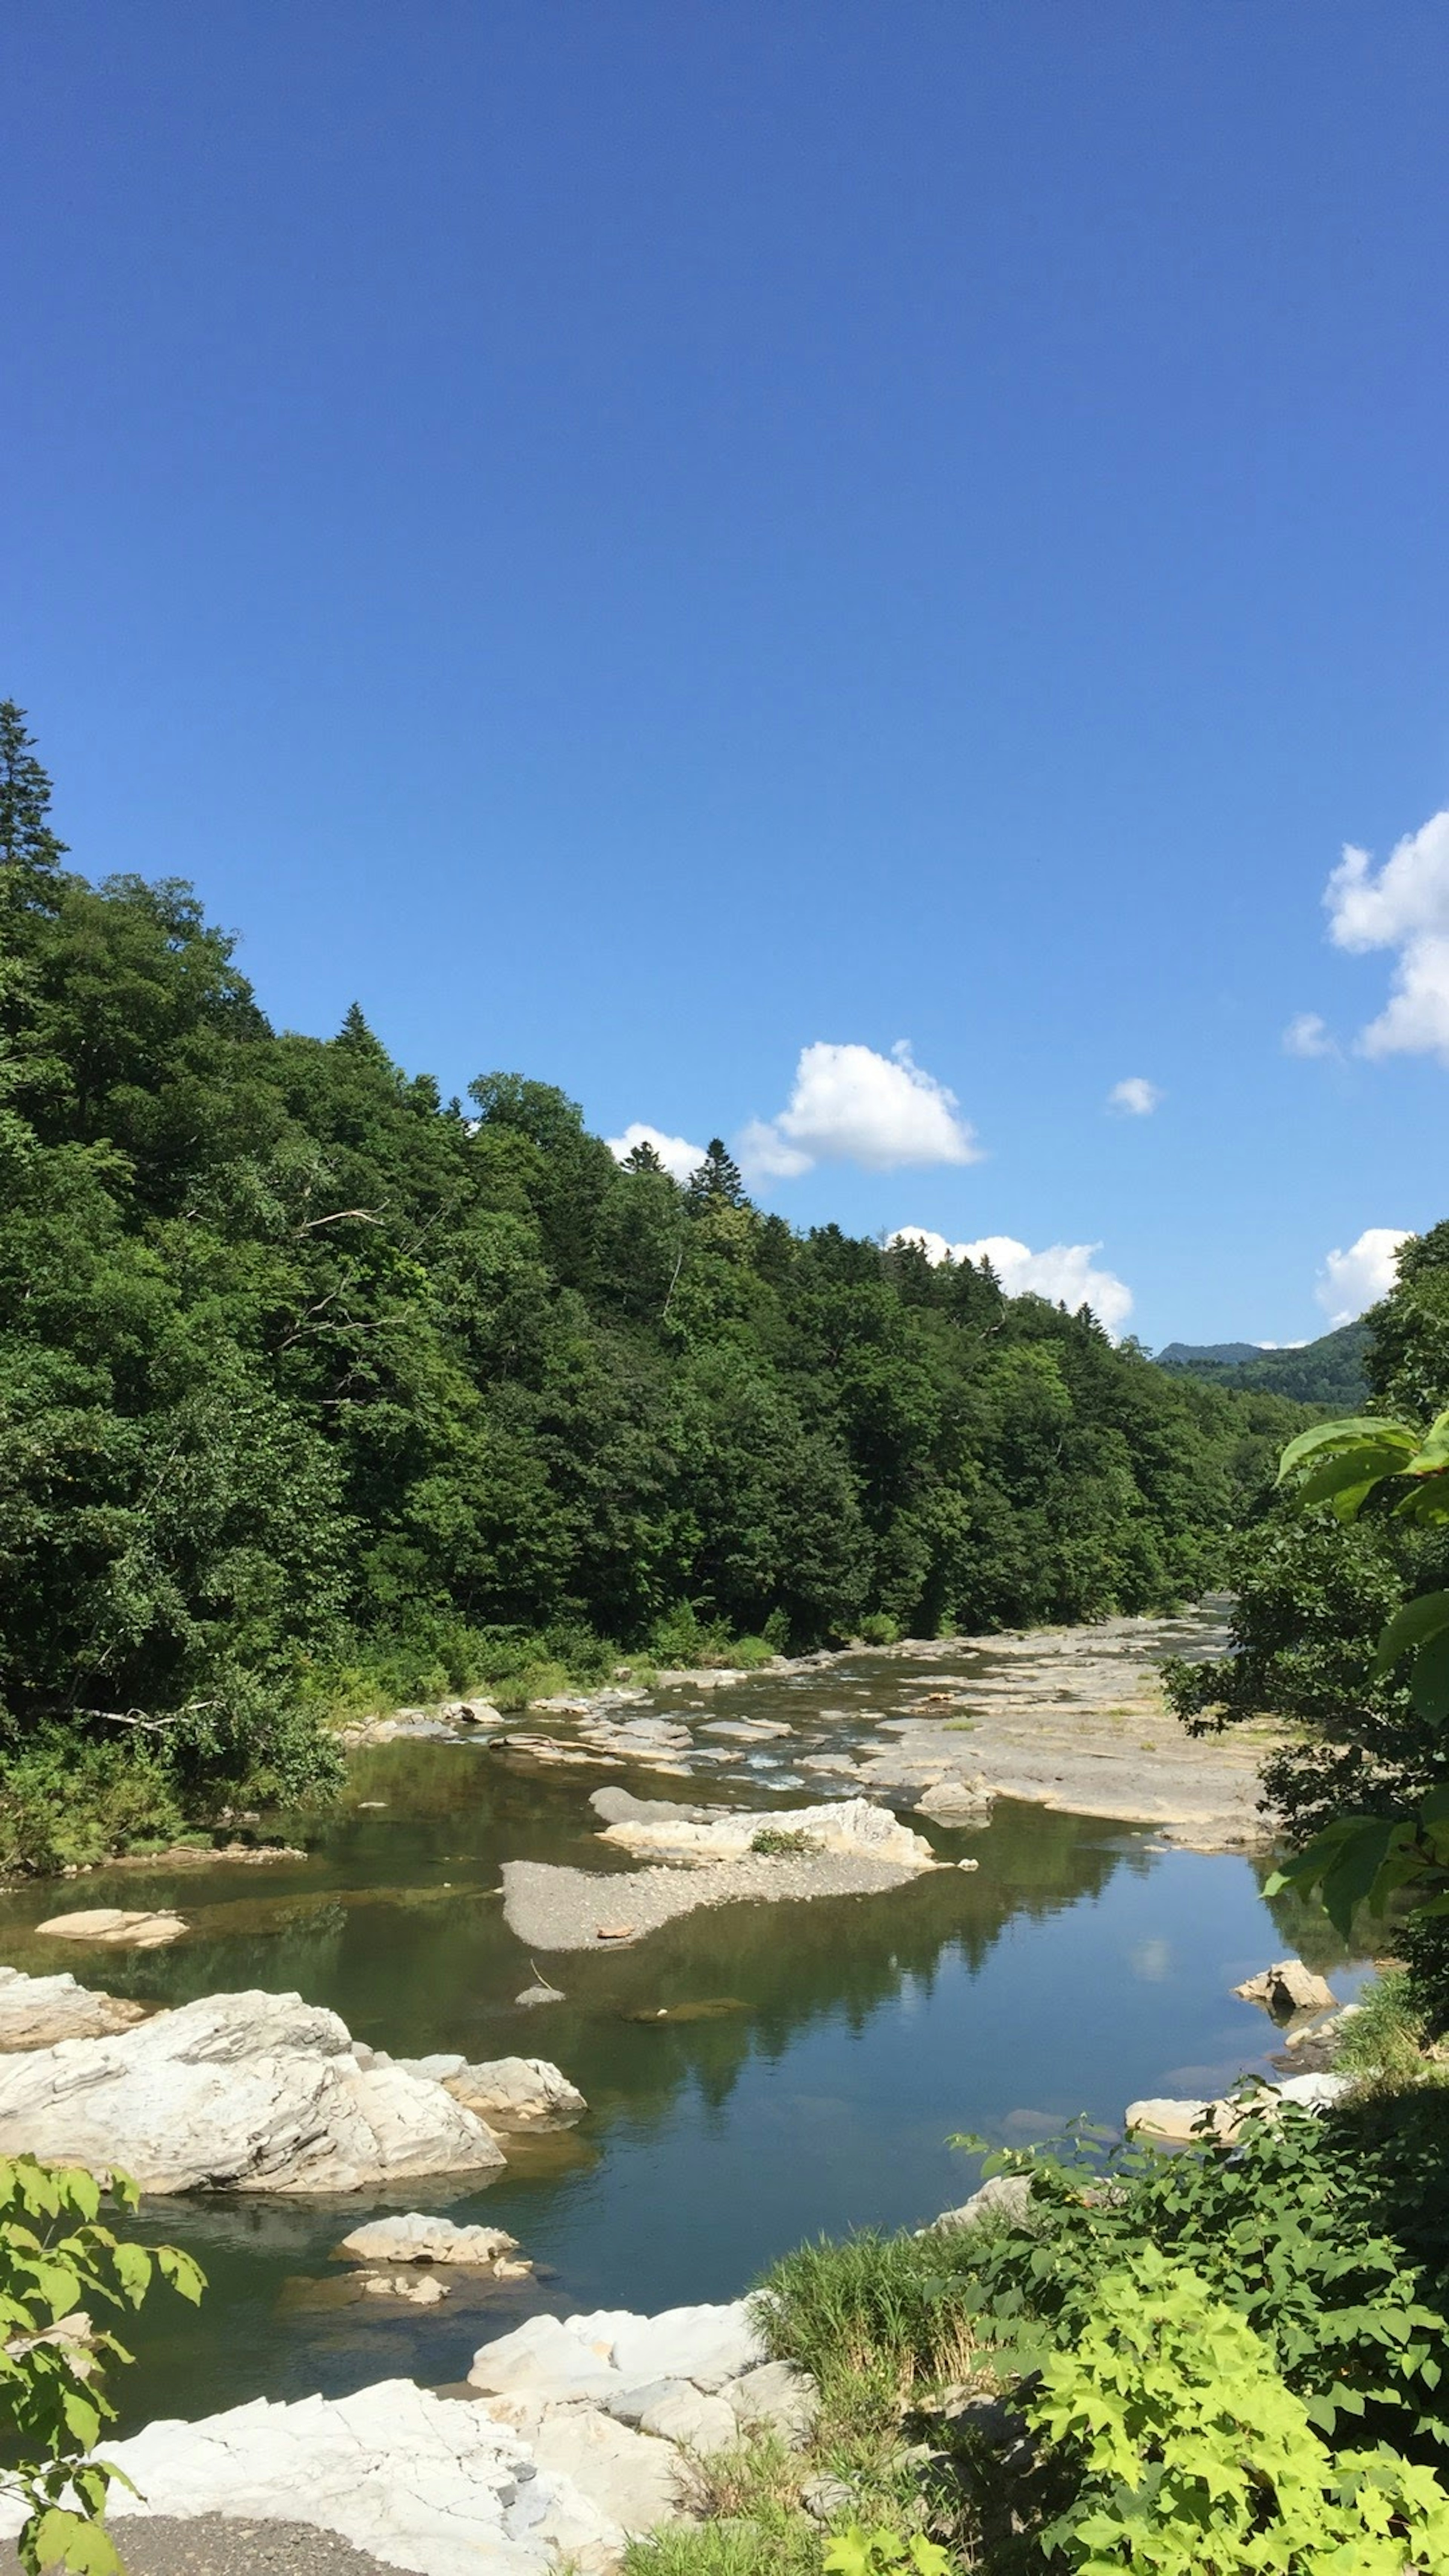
<point>214,2545</point>
<point>550,1908</point>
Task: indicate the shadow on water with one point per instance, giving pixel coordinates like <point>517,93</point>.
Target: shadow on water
<point>1078,1966</point>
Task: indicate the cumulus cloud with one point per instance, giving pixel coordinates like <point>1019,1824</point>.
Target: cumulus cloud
<point>1403,906</point>
<point>675,1152</point>
<point>850,1105</point>
<point>1064,1272</point>
<point>1353,1280</point>
<point>1309,1035</point>
<point>1135,1098</point>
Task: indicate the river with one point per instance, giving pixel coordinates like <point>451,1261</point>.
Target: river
<point>1082,1964</point>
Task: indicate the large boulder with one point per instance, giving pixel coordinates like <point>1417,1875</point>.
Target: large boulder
<point>243,2092</point>
<point>419,2239</point>
<point>850,1825</point>
<point>37,2011</point>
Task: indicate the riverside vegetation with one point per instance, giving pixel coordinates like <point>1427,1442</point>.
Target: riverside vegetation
<point>319,1391</point>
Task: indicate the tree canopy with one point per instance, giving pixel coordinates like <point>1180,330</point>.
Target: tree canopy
<point>302,1364</point>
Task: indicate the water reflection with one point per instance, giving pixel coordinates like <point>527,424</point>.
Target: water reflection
<point>1078,1966</point>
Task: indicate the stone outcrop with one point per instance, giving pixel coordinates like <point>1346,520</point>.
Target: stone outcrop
<point>507,2092</point>
<point>1004,2196</point>
<point>1287,1988</point>
<point>37,2011</point>
<point>243,2092</point>
<point>415,2480</point>
<point>849,1826</point>
<point>598,2357</point>
<point>419,2239</point>
<point>113,1928</point>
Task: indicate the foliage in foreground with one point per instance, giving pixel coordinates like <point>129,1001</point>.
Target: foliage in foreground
<point>316,1388</point>
<point>56,2261</point>
<point>1195,2459</point>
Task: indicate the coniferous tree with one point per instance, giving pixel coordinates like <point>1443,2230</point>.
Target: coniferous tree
<point>642,1158</point>
<point>717,1182</point>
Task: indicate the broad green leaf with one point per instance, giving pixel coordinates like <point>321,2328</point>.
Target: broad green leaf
<point>1412,1625</point>
<point>1345,1435</point>
<point>1429,1687</point>
<point>1349,1477</point>
<point>1433,1458</point>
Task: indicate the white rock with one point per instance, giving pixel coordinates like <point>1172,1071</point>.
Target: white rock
<point>517,2093</point>
<point>115,1929</point>
<point>37,2011</point>
<point>1177,2121</point>
<point>696,2422</point>
<point>954,1802</point>
<point>630,2480</point>
<point>251,2092</point>
<point>548,2358</point>
<point>598,2355</point>
<point>776,2398</point>
<point>418,2239</point>
<point>417,2481</point>
<point>1004,2196</point>
<point>847,1825</point>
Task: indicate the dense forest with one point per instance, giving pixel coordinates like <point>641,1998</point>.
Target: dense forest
<point>1332,1370</point>
<point>315,1386</point>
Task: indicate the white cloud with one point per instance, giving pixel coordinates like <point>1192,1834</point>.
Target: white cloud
<point>675,1152</point>
<point>851,1105</point>
<point>1063,1272</point>
<point>1309,1035</point>
<point>1353,1280</point>
<point>1136,1097</point>
<point>1404,906</point>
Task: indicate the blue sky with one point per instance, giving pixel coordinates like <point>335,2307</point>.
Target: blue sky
<point>642,540</point>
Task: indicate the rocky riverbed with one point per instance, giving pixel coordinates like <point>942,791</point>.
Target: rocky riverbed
<point>1068,1718</point>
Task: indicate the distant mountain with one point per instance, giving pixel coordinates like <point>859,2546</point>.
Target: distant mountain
<point>1328,1371</point>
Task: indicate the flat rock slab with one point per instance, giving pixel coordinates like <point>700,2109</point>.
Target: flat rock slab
<point>599,2355</point>
<point>115,1929</point>
<point>417,2481</point>
<point>37,2011</point>
<point>550,1908</point>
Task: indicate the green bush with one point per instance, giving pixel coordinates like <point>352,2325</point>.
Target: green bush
<point>878,1628</point>
<point>775,1842</point>
<point>1195,2459</point>
<point>1286,2226</point>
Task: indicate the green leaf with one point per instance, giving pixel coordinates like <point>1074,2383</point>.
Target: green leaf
<point>1347,1480</point>
<point>1344,1435</point>
<point>57,2538</point>
<point>1412,1625</point>
<point>1429,1687</point>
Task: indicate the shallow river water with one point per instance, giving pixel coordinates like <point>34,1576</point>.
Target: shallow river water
<point>1081,1965</point>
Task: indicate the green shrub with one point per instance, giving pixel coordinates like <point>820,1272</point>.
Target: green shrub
<point>65,1804</point>
<point>1196,2460</point>
<point>1385,2039</point>
<point>55,2259</point>
<point>1286,2226</point>
<point>878,1628</point>
<point>774,1842</point>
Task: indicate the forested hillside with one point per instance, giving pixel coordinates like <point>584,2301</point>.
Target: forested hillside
<point>1332,1370</point>
<point>312,1382</point>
